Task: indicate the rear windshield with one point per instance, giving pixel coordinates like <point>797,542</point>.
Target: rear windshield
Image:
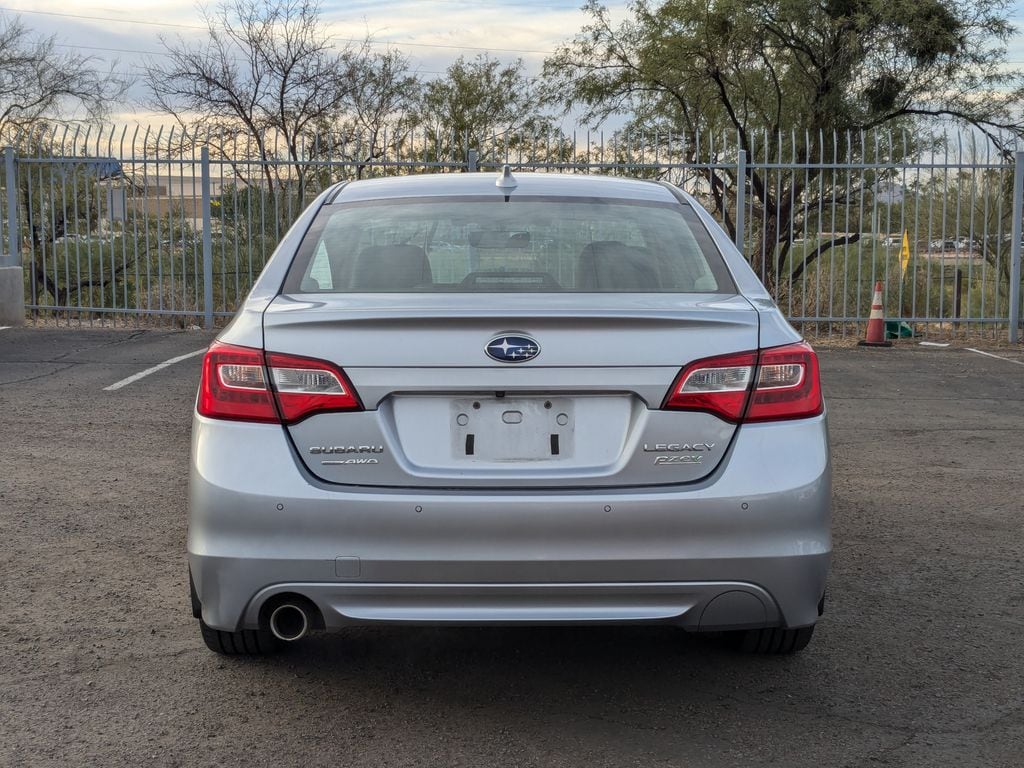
<point>525,244</point>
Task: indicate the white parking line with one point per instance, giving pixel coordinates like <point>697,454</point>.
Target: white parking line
<point>997,357</point>
<point>154,369</point>
<point>4,327</point>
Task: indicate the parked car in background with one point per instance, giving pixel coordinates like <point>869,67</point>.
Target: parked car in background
<point>418,416</point>
<point>956,246</point>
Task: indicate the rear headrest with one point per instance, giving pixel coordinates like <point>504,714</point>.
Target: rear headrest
<point>390,268</point>
<point>610,265</point>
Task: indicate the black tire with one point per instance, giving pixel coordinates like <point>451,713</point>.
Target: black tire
<point>245,642</point>
<point>197,608</point>
<point>772,640</point>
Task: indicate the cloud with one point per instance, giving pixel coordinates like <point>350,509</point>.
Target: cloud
<point>432,33</point>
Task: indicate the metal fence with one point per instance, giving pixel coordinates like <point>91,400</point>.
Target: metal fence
<point>140,225</point>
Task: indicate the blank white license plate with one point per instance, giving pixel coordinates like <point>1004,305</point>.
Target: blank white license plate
<point>512,428</point>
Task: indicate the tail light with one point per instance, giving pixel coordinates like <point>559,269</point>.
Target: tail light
<point>245,384</point>
<point>304,386</point>
<point>770,385</point>
<point>788,385</point>
<point>234,385</point>
<point>718,385</point>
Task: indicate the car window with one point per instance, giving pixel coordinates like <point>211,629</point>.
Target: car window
<point>526,244</point>
<point>320,268</point>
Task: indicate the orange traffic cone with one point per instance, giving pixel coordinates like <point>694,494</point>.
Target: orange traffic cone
<point>876,322</point>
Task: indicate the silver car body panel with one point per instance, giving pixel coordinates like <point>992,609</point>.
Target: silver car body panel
<point>450,330</point>
<point>612,440</point>
<point>731,528</point>
<point>740,538</point>
<point>691,604</point>
<point>482,184</point>
<point>611,358</point>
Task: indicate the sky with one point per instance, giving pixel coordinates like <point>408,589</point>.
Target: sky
<point>432,33</point>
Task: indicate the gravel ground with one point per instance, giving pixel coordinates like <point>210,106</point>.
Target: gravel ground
<point>919,661</point>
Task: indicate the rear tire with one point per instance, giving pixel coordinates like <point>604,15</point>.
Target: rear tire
<point>244,642</point>
<point>772,640</point>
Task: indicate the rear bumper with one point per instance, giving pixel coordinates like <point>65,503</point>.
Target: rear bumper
<point>693,605</point>
<point>749,546</point>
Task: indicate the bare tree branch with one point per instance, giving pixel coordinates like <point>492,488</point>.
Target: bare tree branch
<point>39,82</point>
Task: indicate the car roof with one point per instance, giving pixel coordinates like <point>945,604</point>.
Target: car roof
<point>483,184</point>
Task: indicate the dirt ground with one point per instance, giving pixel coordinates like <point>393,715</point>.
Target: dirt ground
<point>918,661</point>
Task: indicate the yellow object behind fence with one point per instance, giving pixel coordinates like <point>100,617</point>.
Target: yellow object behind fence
<point>904,254</point>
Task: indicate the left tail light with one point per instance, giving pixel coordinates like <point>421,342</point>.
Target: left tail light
<point>245,384</point>
<point>234,385</point>
<point>304,386</point>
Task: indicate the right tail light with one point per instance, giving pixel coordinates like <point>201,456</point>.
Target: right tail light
<point>770,385</point>
<point>788,385</point>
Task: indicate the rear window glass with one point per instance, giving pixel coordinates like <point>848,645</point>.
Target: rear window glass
<point>525,244</point>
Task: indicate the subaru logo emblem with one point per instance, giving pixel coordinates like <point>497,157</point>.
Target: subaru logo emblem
<point>512,349</point>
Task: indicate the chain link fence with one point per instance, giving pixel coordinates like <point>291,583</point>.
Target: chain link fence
<point>132,225</point>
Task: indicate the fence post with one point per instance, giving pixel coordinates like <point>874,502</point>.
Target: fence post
<point>1015,246</point>
<point>207,242</point>
<point>13,256</point>
<point>472,158</point>
<point>12,276</point>
<point>958,297</point>
<point>741,197</point>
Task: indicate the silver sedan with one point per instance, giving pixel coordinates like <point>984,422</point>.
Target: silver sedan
<point>536,399</point>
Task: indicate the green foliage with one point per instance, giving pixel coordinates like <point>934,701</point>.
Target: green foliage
<point>60,203</point>
<point>485,105</point>
<point>825,71</point>
<point>841,284</point>
<point>782,64</point>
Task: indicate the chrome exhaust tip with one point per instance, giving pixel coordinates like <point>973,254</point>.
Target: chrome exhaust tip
<point>289,622</point>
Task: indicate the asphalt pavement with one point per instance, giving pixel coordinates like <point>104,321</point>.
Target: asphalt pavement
<point>918,661</point>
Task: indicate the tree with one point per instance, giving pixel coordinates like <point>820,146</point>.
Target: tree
<point>377,118</point>
<point>38,82</point>
<point>266,71</point>
<point>827,70</point>
<point>485,105</point>
<point>38,85</point>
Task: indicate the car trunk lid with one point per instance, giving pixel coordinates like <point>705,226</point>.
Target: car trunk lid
<point>439,412</point>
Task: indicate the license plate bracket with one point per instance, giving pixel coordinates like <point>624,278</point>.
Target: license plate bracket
<point>512,429</point>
